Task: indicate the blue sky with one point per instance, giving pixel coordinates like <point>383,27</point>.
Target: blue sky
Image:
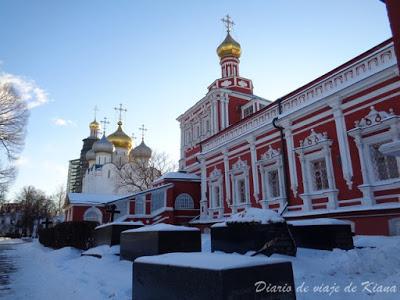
<point>157,58</point>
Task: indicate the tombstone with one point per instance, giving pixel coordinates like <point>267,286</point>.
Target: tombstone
<point>198,276</point>
<point>110,233</point>
<point>159,239</point>
<point>260,230</point>
<point>322,234</point>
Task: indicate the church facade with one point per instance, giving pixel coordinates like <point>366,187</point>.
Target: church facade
<point>316,152</point>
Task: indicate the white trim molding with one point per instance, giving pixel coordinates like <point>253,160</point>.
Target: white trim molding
<point>317,147</point>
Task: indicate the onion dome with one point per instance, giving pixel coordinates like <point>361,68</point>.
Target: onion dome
<point>90,155</point>
<point>141,152</point>
<point>229,47</point>
<point>103,145</point>
<point>120,138</point>
<point>94,125</point>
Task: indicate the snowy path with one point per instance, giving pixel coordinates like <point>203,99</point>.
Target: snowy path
<point>6,268</point>
<point>64,274</point>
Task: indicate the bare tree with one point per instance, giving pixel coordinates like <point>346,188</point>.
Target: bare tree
<point>139,174</point>
<point>35,206</point>
<point>58,198</point>
<point>13,120</point>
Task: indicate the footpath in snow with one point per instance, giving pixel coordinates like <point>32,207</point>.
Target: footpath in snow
<point>368,273</point>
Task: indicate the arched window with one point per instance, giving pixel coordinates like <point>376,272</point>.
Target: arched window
<point>93,214</point>
<point>184,201</point>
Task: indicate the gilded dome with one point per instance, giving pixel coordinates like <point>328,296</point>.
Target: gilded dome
<point>141,152</point>
<point>94,125</point>
<point>90,155</point>
<point>120,138</point>
<point>103,145</point>
<point>229,47</point>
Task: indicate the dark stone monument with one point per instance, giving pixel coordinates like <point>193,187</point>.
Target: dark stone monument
<point>153,242</point>
<point>242,237</point>
<point>180,276</point>
<point>322,236</point>
<point>109,234</point>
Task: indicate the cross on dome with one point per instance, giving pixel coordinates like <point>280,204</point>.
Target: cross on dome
<point>104,123</point>
<point>142,129</point>
<point>120,109</point>
<point>95,109</point>
<point>228,23</point>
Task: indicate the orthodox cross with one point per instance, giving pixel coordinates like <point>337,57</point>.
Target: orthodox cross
<point>47,222</point>
<point>104,123</point>
<point>228,23</point>
<point>142,129</point>
<point>95,109</point>
<point>120,111</point>
<point>112,210</point>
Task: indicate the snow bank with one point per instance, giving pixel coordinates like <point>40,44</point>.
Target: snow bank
<point>161,227</point>
<point>319,221</point>
<point>210,261</point>
<point>253,215</point>
<point>9,241</point>
<point>139,223</point>
<point>103,250</point>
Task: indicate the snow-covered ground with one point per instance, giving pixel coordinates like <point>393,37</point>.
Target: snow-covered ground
<point>65,274</point>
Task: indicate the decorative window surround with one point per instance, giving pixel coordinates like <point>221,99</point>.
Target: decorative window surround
<point>271,160</point>
<point>215,183</point>
<point>374,125</point>
<point>240,171</point>
<point>314,147</point>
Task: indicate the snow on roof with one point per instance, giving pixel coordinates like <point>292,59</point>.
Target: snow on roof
<point>178,176</point>
<point>318,221</point>
<point>161,227</point>
<point>138,223</point>
<point>83,198</point>
<point>210,261</point>
<point>253,215</point>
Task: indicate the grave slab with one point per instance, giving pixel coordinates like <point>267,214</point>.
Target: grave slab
<point>219,276</point>
<point>159,239</point>
<point>109,234</point>
<point>322,234</point>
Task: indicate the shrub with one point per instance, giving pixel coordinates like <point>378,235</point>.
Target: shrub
<point>69,234</point>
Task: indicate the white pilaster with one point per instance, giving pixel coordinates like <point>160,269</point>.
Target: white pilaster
<point>226,177</point>
<point>291,155</point>
<point>341,131</point>
<point>203,201</point>
<point>251,140</point>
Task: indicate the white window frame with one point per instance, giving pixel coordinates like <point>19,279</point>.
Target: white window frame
<point>314,147</point>
<point>215,181</point>
<point>271,160</point>
<point>142,199</point>
<point>96,211</point>
<point>240,171</point>
<point>184,202</point>
<point>163,201</point>
<point>374,125</point>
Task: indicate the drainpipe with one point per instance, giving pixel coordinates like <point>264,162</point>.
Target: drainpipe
<point>284,154</point>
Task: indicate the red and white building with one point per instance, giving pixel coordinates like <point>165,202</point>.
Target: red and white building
<point>315,152</point>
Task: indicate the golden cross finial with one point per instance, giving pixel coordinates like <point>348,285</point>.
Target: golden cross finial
<point>95,109</point>
<point>228,23</point>
<point>142,129</point>
<point>104,123</point>
<point>120,111</point>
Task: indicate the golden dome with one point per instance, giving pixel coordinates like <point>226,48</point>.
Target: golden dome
<point>229,47</point>
<point>120,138</point>
<point>94,125</point>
